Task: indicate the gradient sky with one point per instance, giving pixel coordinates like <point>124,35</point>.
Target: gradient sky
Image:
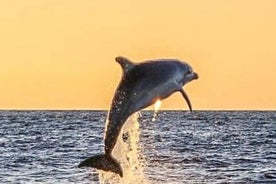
<point>59,54</point>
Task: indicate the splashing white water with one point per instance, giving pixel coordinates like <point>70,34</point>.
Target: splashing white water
<point>157,106</point>
<point>127,153</point>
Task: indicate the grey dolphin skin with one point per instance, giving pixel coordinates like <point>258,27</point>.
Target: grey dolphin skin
<point>141,85</point>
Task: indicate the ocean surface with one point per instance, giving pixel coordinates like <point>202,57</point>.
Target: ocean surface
<point>178,147</point>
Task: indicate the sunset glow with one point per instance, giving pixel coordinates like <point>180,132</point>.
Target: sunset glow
<point>59,54</point>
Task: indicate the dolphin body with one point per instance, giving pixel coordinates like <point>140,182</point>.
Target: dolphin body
<point>141,85</point>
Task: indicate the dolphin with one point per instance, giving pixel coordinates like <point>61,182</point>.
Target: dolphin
<point>140,86</point>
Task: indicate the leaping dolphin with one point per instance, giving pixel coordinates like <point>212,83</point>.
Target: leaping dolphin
<point>141,85</point>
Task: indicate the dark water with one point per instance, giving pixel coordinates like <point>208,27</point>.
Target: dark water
<point>180,147</point>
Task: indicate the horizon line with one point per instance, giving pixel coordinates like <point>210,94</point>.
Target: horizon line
<point>103,109</point>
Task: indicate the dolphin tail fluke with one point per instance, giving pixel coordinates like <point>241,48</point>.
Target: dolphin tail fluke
<point>103,162</point>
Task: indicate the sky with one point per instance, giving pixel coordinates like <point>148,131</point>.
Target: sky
<point>59,54</point>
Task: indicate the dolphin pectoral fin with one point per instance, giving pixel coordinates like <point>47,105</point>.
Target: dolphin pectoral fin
<point>103,162</point>
<point>125,63</point>
<point>186,98</point>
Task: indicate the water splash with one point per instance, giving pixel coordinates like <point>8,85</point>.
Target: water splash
<point>157,106</point>
<point>128,153</point>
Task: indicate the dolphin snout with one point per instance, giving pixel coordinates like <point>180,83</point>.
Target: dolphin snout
<point>195,76</point>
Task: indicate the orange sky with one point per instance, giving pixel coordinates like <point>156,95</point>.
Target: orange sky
<point>59,54</point>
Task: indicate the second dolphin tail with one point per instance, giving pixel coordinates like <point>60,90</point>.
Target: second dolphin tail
<point>103,162</point>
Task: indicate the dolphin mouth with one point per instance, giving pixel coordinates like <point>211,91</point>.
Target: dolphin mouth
<point>195,76</point>
<point>191,76</point>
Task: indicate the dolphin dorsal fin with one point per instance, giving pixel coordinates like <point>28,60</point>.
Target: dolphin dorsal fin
<point>125,63</point>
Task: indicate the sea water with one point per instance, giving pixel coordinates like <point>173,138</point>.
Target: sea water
<point>178,147</point>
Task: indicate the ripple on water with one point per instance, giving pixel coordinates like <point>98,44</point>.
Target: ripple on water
<point>179,147</point>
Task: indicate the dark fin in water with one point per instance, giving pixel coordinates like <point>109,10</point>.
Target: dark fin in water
<point>125,63</point>
<point>103,162</point>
